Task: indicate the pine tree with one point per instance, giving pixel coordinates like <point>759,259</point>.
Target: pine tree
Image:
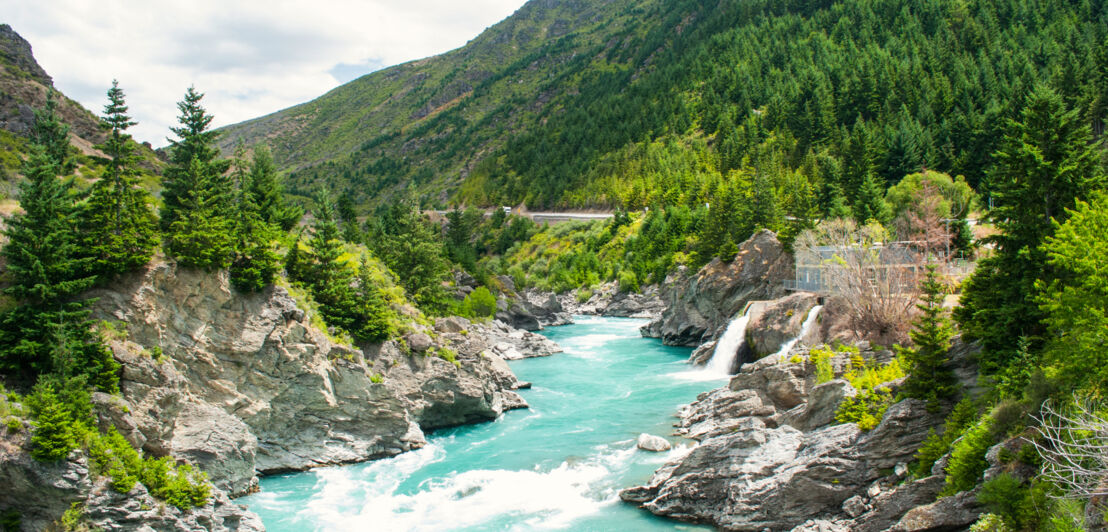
<point>50,329</point>
<point>765,211</point>
<point>52,134</point>
<point>1046,163</point>
<point>197,212</point>
<point>118,231</point>
<point>255,263</point>
<point>928,378</point>
<point>374,324</point>
<point>53,437</point>
<point>266,189</point>
<point>870,202</point>
<point>330,278</point>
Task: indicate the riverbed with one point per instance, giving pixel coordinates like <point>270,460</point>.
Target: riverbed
<point>556,466</point>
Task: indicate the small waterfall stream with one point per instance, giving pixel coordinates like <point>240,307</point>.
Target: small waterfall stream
<point>727,348</point>
<point>804,327</point>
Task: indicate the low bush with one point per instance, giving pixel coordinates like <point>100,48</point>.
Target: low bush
<point>866,409</point>
<point>936,445</point>
<point>179,485</point>
<point>967,458</point>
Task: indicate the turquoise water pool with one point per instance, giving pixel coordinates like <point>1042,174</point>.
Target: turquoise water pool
<point>557,466</point>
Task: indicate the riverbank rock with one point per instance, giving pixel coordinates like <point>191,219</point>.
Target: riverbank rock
<point>547,308</point>
<point>607,300</point>
<point>780,321</point>
<point>497,337</point>
<point>771,457</point>
<point>42,492</point>
<point>699,306</point>
<point>243,384</point>
<point>652,443</point>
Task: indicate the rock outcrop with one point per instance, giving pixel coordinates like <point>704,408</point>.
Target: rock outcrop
<point>244,384</point>
<point>23,88</point>
<point>699,306</point>
<point>41,493</point>
<point>778,321</point>
<point>770,457</point>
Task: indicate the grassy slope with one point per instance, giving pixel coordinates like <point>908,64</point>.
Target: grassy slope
<point>432,120</point>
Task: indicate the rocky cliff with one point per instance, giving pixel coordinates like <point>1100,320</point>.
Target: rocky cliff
<point>244,384</point>
<point>23,87</point>
<point>699,306</point>
<point>771,458</point>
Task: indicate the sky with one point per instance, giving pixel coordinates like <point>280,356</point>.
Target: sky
<point>250,58</point>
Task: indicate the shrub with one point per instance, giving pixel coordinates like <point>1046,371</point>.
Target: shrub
<point>181,485</point>
<point>990,523</point>
<point>628,282</point>
<point>866,409</point>
<point>967,459</point>
<point>479,304</point>
<point>11,521</point>
<point>14,424</point>
<point>936,445</point>
<point>822,360</point>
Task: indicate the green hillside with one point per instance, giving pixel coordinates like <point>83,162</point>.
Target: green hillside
<point>621,103</point>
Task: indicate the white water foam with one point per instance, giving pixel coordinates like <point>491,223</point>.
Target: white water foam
<point>727,348</point>
<point>804,327</point>
<point>535,499</point>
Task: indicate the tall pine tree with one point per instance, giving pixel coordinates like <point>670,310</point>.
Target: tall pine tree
<point>118,230</point>
<point>50,330</point>
<point>266,189</point>
<point>1046,163</point>
<point>256,262</point>
<point>197,212</point>
<point>928,378</point>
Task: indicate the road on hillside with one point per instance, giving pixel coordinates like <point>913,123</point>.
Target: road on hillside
<point>550,217</point>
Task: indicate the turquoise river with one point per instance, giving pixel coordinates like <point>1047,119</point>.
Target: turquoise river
<point>556,466</point>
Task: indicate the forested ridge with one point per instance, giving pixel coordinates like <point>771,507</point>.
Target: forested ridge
<point>663,111</point>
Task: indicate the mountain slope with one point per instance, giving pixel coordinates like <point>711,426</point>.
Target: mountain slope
<point>631,103</point>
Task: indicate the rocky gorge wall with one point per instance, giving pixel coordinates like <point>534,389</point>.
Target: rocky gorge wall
<point>244,384</point>
<point>699,306</point>
<point>771,457</point>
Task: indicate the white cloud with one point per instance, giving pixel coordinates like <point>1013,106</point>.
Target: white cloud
<point>250,57</point>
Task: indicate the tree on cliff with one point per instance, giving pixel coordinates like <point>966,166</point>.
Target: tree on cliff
<point>928,378</point>
<point>268,194</point>
<point>118,230</point>
<point>49,330</point>
<point>1076,302</point>
<point>1046,163</point>
<point>49,132</point>
<point>196,215</point>
<point>255,263</point>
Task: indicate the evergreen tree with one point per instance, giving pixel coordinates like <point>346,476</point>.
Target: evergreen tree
<point>928,378</point>
<point>54,436</point>
<point>255,263</point>
<point>1046,163</point>
<point>870,202</point>
<point>266,189</point>
<point>197,216</point>
<point>765,211</point>
<point>49,132</point>
<point>200,235</point>
<point>374,324</point>
<point>118,230</point>
<point>296,264</point>
<point>50,329</point>
<point>459,234</point>
<point>329,277</point>
<point>834,203</point>
<point>409,246</point>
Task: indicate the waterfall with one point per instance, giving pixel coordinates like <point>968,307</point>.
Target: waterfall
<point>727,348</point>
<point>812,314</point>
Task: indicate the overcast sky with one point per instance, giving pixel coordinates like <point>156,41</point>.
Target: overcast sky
<point>250,58</point>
